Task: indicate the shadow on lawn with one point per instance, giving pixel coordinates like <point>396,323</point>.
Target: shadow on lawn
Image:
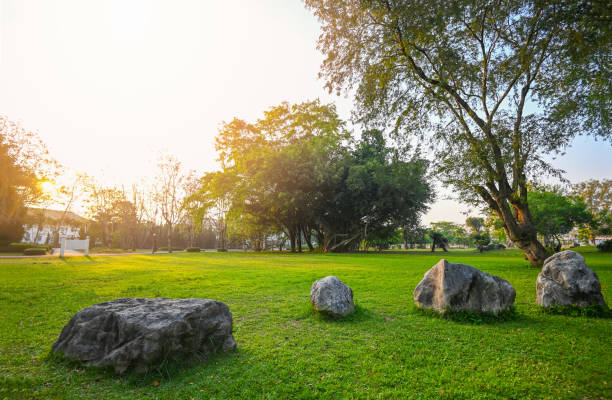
<point>361,314</point>
<point>167,370</point>
<point>70,260</point>
<point>470,318</point>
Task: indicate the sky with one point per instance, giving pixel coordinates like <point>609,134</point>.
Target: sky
<point>109,84</point>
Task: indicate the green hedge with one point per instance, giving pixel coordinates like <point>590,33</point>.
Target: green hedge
<point>193,249</point>
<point>605,246</point>
<point>222,250</point>
<point>21,247</point>
<point>35,251</point>
<point>173,249</point>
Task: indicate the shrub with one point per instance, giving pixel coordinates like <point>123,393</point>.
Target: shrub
<point>192,249</point>
<point>605,246</point>
<point>222,250</point>
<point>34,251</point>
<point>165,248</point>
<point>21,247</point>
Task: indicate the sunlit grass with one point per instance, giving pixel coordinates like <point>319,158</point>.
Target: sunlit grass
<point>386,350</point>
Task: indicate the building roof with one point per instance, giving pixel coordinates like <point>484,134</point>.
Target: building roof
<point>56,215</point>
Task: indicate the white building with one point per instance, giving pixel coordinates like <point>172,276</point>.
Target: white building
<point>43,223</point>
<point>601,239</point>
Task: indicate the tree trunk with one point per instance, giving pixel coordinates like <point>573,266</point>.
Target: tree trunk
<point>299,238</point>
<point>292,240</point>
<point>513,211</point>
<point>523,234</point>
<point>307,238</point>
<point>169,238</point>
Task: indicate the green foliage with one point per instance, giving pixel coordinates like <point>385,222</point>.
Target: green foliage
<point>496,228</point>
<point>554,214</point>
<point>455,233</point>
<point>34,252</point>
<point>296,174</point>
<point>476,224</point>
<point>192,249</point>
<point>482,241</point>
<point>165,248</point>
<point>20,247</point>
<point>437,240</point>
<point>605,246</point>
<point>598,197</point>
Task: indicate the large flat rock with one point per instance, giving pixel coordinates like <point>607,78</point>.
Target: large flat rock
<point>459,287</point>
<point>139,333</point>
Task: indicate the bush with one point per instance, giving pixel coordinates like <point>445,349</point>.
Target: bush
<point>605,246</point>
<point>222,250</point>
<point>192,250</point>
<point>21,247</point>
<point>34,251</point>
<point>165,248</point>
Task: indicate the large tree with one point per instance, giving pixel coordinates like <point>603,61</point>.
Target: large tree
<point>169,192</point>
<point>24,164</point>
<point>495,85</point>
<point>297,171</point>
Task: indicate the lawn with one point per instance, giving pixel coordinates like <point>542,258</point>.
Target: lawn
<point>386,350</point>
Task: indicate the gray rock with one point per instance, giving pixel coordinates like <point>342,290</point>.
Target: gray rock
<point>458,287</point>
<point>329,295</point>
<point>139,333</point>
<point>566,280</point>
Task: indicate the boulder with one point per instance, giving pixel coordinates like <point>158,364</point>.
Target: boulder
<point>566,280</point>
<point>458,287</point>
<point>330,296</point>
<point>137,333</point>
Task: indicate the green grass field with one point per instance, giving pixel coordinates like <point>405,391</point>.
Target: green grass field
<point>385,350</point>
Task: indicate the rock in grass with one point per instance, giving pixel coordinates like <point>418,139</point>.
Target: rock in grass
<point>140,333</point>
<point>330,296</point>
<point>458,287</point>
<point>566,280</point>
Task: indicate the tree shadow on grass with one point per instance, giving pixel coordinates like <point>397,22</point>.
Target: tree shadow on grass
<point>470,318</point>
<point>592,311</point>
<point>168,369</point>
<point>70,260</point>
<point>359,315</point>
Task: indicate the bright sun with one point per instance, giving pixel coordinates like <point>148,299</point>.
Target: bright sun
<point>48,187</point>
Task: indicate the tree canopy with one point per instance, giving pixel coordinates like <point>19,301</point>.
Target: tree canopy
<point>24,164</point>
<point>463,74</point>
<point>297,172</point>
<point>555,214</point>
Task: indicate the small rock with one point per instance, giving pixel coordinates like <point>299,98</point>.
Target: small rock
<point>566,280</point>
<point>458,287</point>
<point>139,333</point>
<point>331,296</point>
